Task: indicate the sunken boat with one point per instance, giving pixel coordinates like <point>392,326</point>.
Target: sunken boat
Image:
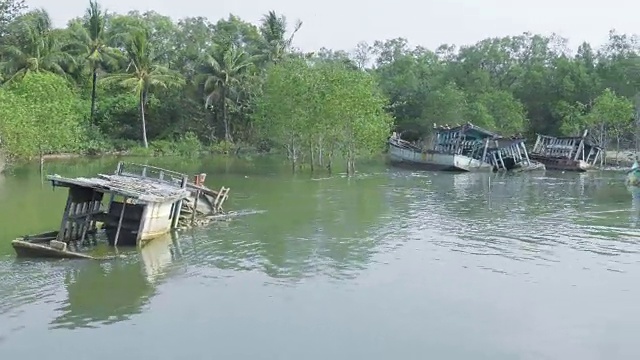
<point>569,153</point>
<point>461,148</point>
<point>510,154</point>
<point>465,148</point>
<point>142,203</point>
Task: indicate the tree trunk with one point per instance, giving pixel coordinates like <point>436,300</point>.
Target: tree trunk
<point>292,154</point>
<point>311,160</point>
<point>617,147</point>
<point>225,121</point>
<point>93,95</point>
<point>351,166</point>
<point>320,161</point>
<point>144,123</point>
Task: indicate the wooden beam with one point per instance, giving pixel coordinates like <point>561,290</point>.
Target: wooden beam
<point>89,216</point>
<point>195,207</point>
<point>124,204</point>
<point>65,216</point>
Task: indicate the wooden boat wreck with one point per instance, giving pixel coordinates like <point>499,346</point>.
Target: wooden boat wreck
<point>144,202</point>
<point>461,148</point>
<point>569,153</point>
<point>510,154</point>
<point>465,148</point>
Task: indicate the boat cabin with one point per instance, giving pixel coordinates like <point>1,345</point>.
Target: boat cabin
<point>566,153</point>
<point>466,139</point>
<point>144,202</point>
<point>507,154</point>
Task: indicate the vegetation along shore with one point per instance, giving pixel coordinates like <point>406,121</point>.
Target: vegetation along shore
<point>144,84</point>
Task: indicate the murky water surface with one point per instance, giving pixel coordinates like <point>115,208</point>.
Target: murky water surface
<point>391,264</point>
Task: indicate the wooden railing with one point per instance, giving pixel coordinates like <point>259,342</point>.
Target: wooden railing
<point>151,172</point>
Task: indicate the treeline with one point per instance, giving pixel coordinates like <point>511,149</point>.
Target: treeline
<point>110,82</point>
<point>519,84</point>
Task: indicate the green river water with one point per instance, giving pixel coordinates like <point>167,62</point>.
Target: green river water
<point>390,264</point>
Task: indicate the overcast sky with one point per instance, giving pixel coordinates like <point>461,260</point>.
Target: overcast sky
<point>340,24</point>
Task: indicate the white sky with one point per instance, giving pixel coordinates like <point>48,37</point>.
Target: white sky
<point>340,24</point>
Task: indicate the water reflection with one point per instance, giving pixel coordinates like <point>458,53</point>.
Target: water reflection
<point>332,230</point>
<point>523,217</point>
<point>413,241</point>
<point>635,205</point>
<point>158,254</point>
<point>100,293</point>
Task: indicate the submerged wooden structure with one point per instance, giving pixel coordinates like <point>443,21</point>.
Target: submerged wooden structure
<point>453,149</point>
<point>510,154</point>
<point>569,153</point>
<point>144,202</point>
<point>465,148</point>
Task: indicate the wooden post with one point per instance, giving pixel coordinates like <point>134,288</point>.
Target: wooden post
<point>96,206</point>
<point>143,222</point>
<point>573,145</point>
<point>526,155</point>
<point>178,206</point>
<point>86,225</point>
<point>486,146</point>
<point>535,146</point>
<point>124,203</point>
<point>195,207</point>
<point>580,150</point>
<point>501,159</point>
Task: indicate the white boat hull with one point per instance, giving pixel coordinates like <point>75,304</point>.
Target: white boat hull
<point>436,161</point>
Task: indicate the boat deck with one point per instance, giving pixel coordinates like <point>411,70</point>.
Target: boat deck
<point>138,188</point>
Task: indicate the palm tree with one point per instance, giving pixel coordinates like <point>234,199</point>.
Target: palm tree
<point>143,73</point>
<point>89,41</point>
<point>223,68</point>
<point>273,28</point>
<point>39,48</point>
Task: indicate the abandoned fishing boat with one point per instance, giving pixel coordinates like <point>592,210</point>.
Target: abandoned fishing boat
<point>46,245</point>
<point>510,154</point>
<point>464,148</point>
<point>461,148</point>
<point>145,202</point>
<point>569,153</point>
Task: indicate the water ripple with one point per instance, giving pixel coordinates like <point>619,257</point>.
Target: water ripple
<point>338,229</point>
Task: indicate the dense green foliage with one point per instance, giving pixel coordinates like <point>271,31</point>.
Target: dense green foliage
<point>342,111</point>
<point>32,123</point>
<point>527,83</point>
<point>108,81</point>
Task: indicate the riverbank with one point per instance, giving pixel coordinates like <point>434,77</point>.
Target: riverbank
<point>160,148</point>
<point>622,158</point>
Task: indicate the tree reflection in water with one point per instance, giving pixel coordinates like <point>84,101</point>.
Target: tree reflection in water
<point>321,226</point>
